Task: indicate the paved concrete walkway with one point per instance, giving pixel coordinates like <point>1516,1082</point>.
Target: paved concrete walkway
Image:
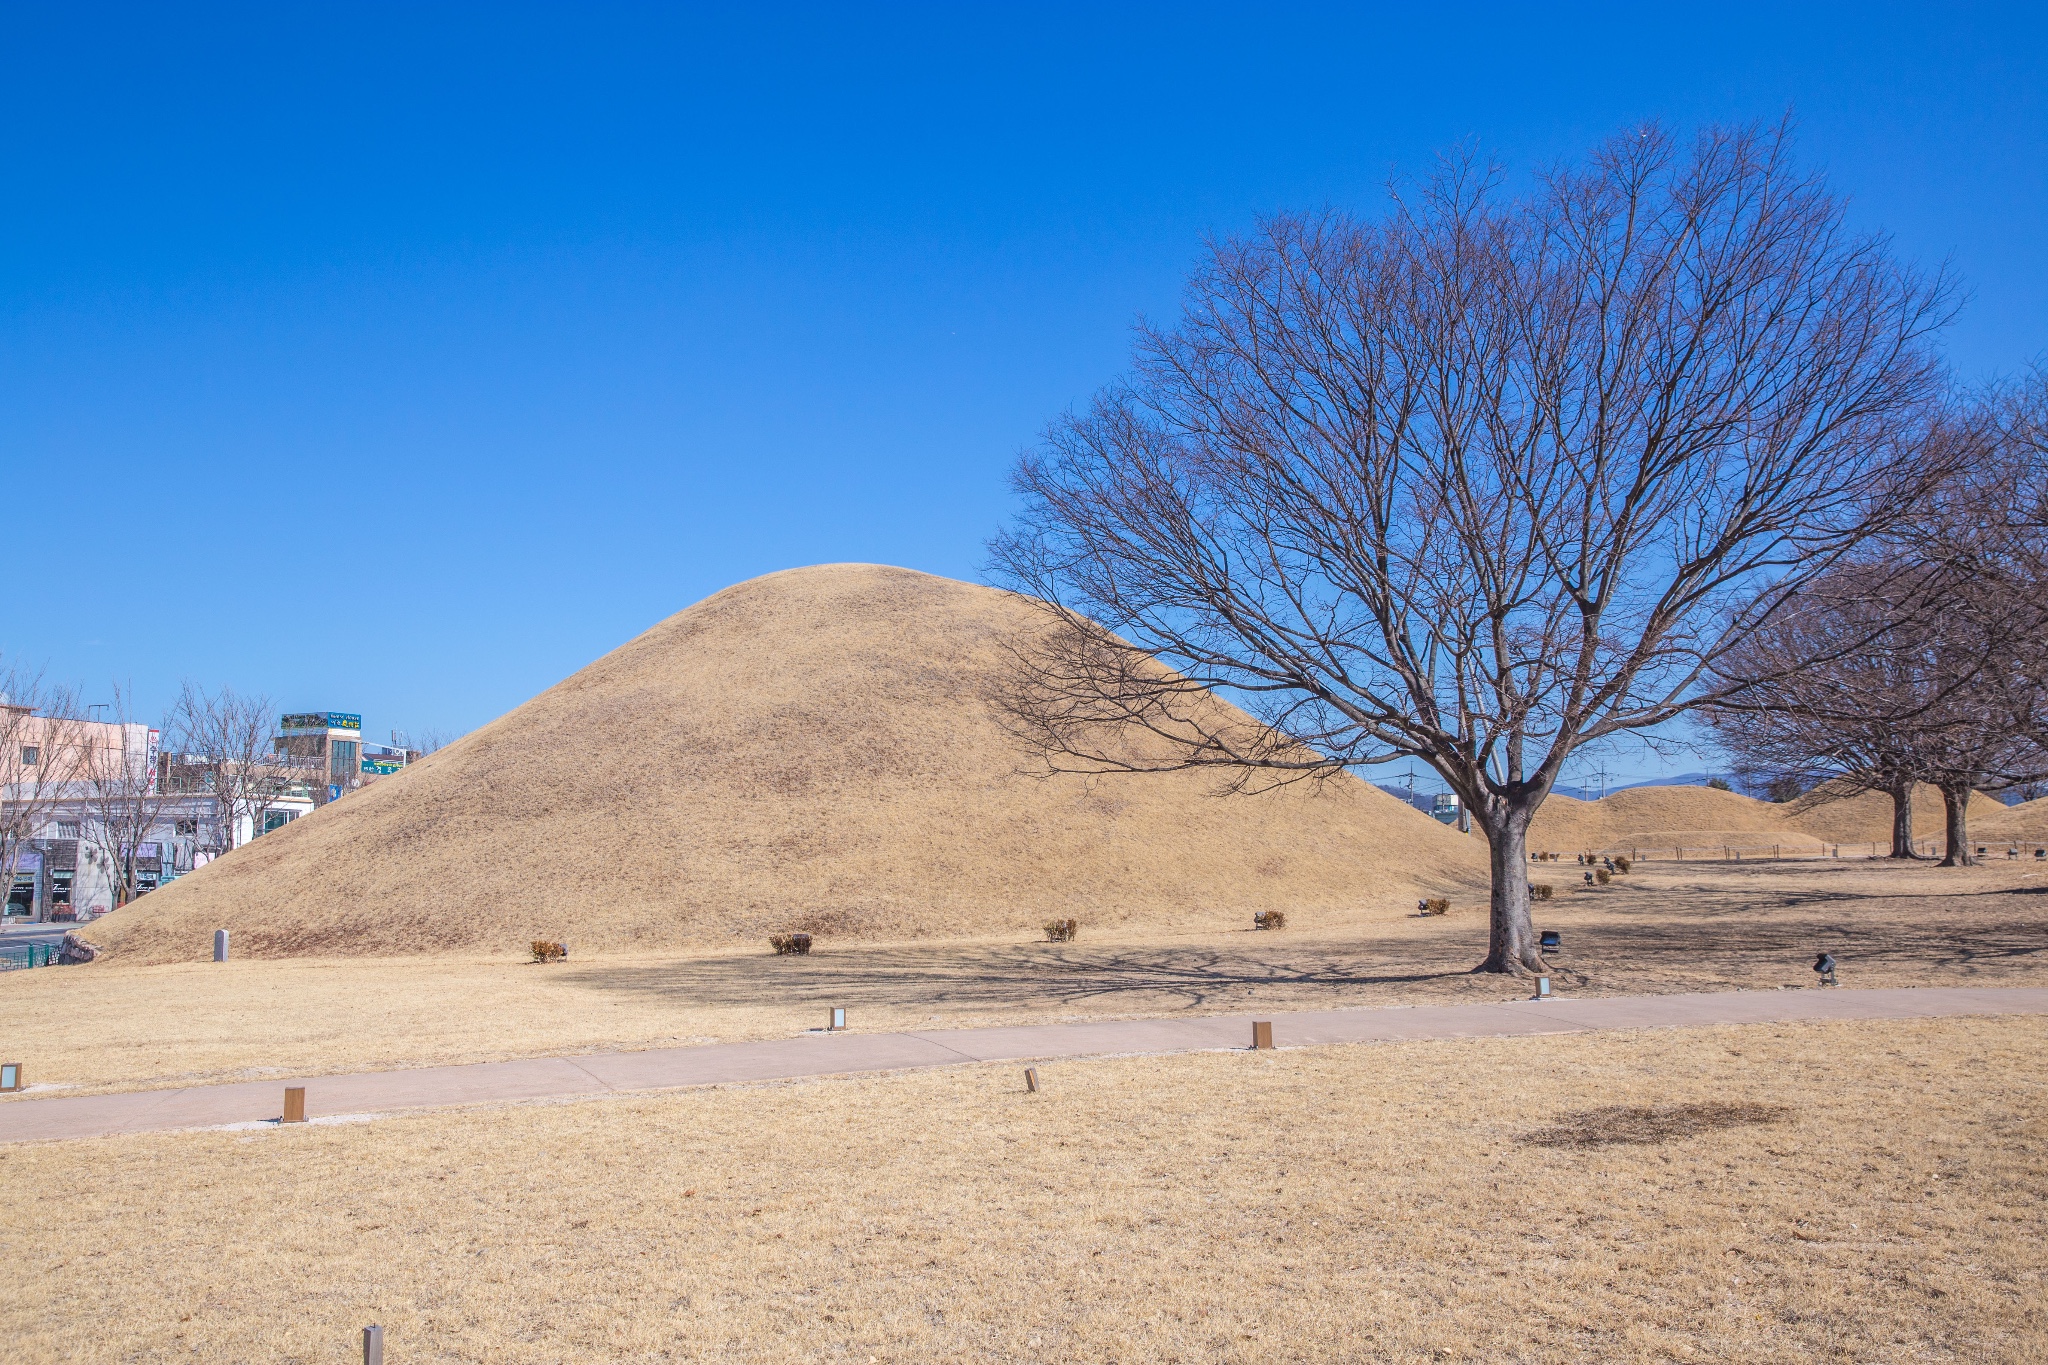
<point>821,1054</point>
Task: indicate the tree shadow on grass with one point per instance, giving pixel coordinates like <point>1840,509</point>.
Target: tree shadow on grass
<point>1626,944</point>
<point>1063,975</point>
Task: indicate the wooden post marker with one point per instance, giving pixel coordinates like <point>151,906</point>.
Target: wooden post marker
<point>1031,1079</point>
<point>373,1346</point>
<point>1262,1036</point>
<point>10,1075</point>
<point>838,1024</point>
<point>295,1104</point>
<point>220,945</point>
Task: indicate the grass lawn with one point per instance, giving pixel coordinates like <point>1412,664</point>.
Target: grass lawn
<point>1836,1192</point>
<point>1668,927</point>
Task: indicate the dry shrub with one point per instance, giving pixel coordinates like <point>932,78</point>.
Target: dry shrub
<point>790,945</point>
<point>544,951</point>
<point>1622,864</point>
<point>1435,905</point>
<point>1603,876</point>
<point>1640,1124</point>
<point>1541,891</point>
<point>1062,930</point>
<point>825,922</point>
<point>1269,919</point>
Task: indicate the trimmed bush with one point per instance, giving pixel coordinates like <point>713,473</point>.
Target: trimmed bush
<point>544,951</point>
<point>1541,891</point>
<point>790,945</point>
<point>1062,930</point>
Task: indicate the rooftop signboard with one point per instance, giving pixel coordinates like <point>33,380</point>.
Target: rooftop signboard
<point>321,720</point>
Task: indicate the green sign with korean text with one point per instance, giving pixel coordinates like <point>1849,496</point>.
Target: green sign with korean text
<point>321,720</point>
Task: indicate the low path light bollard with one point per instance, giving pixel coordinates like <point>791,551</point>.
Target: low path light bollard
<point>373,1346</point>
<point>220,945</point>
<point>838,1021</point>
<point>1542,988</point>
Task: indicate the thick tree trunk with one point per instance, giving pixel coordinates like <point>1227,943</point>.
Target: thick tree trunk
<point>1902,821</point>
<point>1955,804</point>
<point>1511,939</point>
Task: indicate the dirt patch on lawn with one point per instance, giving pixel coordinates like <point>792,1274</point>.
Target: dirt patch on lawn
<point>1621,1125</point>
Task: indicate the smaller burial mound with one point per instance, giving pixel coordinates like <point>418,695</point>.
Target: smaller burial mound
<point>1866,817</point>
<point>810,751</point>
<point>1665,818</point>
<point>2026,823</point>
<point>1662,818</point>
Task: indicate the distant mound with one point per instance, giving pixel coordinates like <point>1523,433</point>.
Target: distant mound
<point>2026,823</point>
<point>806,751</point>
<point>1664,818</point>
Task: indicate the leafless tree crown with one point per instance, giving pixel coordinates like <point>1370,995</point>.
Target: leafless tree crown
<point>1477,482</point>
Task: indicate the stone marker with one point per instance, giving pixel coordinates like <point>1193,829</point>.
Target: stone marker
<point>220,945</point>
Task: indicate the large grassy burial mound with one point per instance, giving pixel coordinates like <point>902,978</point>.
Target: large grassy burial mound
<point>806,751</point>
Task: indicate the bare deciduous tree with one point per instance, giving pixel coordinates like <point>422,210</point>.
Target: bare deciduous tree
<point>1477,483</point>
<point>40,754</point>
<point>417,744</point>
<point>225,742</point>
<point>1821,696</point>
<point>1987,533</point>
<point>1923,662</point>
<point>123,795</point>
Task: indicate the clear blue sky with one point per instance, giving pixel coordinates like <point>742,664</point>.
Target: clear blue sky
<point>405,364</point>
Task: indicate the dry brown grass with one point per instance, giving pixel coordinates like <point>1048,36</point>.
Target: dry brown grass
<point>1664,927</point>
<point>810,751</point>
<point>1340,1204</point>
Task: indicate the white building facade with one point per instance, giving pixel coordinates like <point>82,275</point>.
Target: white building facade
<point>84,799</point>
